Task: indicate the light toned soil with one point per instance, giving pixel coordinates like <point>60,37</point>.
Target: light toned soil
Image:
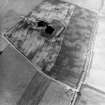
<point>90,97</point>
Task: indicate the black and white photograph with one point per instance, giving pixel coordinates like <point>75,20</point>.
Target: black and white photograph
<point>55,40</point>
<point>52,52</point>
